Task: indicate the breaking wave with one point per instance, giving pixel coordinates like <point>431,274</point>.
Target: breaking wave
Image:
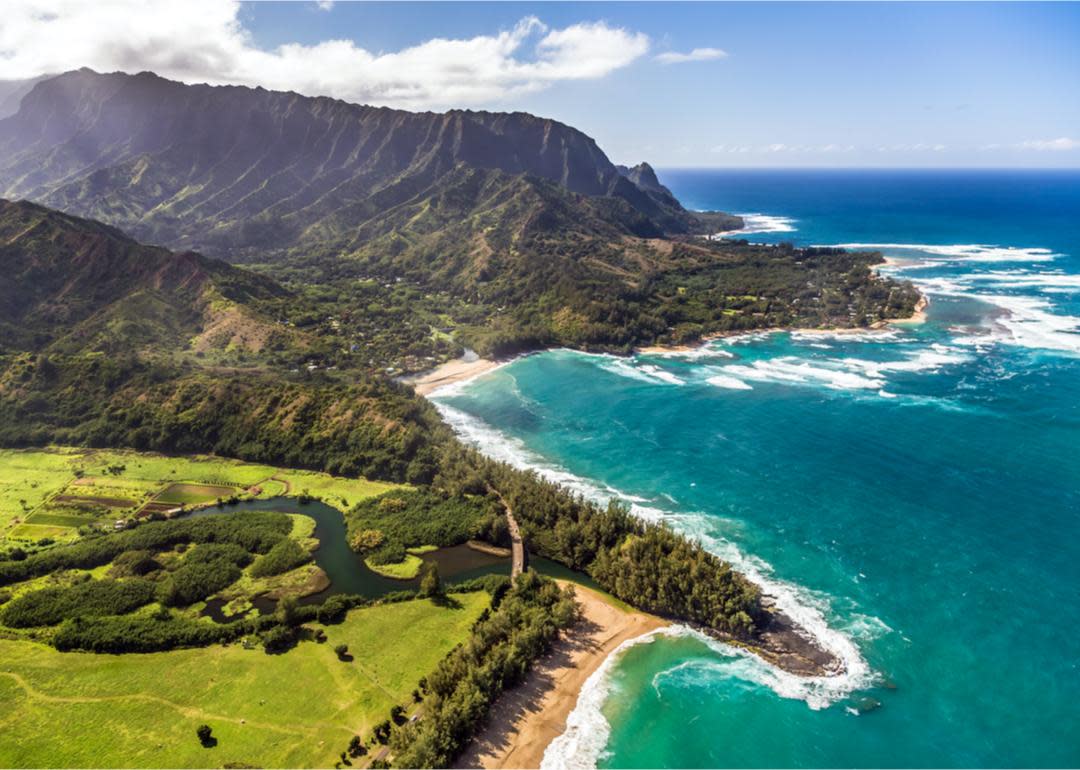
<point>754,224</point>
<point>973,252</point>
<point>805,607</point>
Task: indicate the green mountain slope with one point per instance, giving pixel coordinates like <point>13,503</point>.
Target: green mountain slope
<point>69,284</point>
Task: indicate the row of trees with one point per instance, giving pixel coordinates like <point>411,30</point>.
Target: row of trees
<point>503,645</point>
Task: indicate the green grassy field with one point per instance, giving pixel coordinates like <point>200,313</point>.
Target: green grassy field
<point>406,569</point>
<point>105,485</point>
<point>298,709</point>
<point>333,490</point>
<point>191,494</point>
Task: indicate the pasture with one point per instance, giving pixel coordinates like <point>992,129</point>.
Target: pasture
<point>297,709</point>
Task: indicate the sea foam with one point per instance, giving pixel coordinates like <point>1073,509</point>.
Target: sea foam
<point>587,732</point>
<point>973,252</point>
<point>805,607</point>
<point>756,223</point>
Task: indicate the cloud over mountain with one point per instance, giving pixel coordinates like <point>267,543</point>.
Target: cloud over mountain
<point>206,41</point>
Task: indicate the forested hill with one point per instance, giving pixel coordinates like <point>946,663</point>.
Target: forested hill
<point>406,235</point>
<point>241,173</point>
<point>70,285</point>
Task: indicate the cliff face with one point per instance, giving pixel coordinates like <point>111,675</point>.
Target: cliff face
<point>236,171</point>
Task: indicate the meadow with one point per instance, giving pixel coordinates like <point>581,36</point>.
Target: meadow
<point>51,493</point>
<point>297,709</point>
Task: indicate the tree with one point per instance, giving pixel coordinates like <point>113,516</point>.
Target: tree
<point>430,584</point>
<point>278,639</point>
<point>382,731</point>
<point>342,651</point>
<point>205,734</point>
<point>287,610</point>
<point>356,747</point>
<point>397,714</point>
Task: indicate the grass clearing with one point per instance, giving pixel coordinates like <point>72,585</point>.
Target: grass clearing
<point>27,479</point>
<point>402,570</point>
<point>298,709</point>
<point>194,494</point>
<point>341,493</point>
<point>45,492</point>
<point>406,569</point>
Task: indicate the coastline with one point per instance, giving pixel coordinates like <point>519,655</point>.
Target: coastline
<point>449,373</point>
<point>529,717</point>
<point>917,317</point>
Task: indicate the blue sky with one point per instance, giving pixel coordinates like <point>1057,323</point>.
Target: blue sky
<point>771,84</point>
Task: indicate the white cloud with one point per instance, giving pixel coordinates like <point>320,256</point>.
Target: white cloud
<point>698,54</point>
<point>1043,145</point>
<point>205,41</point>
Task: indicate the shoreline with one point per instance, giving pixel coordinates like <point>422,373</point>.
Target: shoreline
<point>525,720</point>
<point>449,373</point>
<point>462,369</point>
<point>917,317</point>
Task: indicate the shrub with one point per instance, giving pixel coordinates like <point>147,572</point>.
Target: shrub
<point>333,610</point>
<point>286,555</point>
<point>279,639</point>
<point>196,581</point>
<point>255,532</point>
<point>50,606</point>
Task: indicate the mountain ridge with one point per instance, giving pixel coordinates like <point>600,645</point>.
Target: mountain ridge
<point>219,168</point>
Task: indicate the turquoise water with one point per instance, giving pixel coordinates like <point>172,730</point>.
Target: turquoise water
<point>911,496</point>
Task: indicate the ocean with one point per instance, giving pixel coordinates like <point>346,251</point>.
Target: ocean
<point>911,496</point>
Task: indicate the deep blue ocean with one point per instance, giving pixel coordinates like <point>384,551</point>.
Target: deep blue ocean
<point>912,496</point>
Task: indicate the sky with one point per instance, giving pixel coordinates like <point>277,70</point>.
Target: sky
<point>676,84</point>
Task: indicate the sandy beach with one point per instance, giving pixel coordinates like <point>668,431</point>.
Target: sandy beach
<point>528,718</point>
<point>452,371</point>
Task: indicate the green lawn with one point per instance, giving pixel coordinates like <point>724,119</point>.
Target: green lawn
<point>293,710</point>
<point>333,490</point>
<point>189,494</point>
<point>406,569</point>
<point>402,570</point>
<point>30,480</point>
